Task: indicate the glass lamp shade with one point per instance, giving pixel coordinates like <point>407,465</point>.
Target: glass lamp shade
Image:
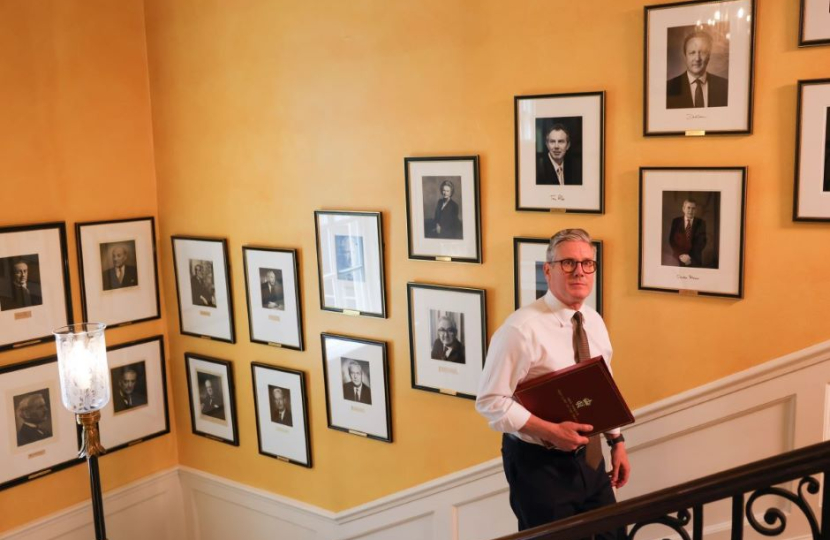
<point>82,364</point>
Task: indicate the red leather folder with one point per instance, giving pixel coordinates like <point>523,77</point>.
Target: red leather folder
<point>584,393</point>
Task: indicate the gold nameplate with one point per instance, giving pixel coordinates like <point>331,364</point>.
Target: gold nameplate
<point>277,345</point>
<point>353,432</point>
<point>25,343</point>
<point>558,210</point>
<point>686,292</point>
<point>212,438</point>
<point>358,409</point>
<point>139,441</point>
<point>128,323</point>
<point>447,391</point>
<point>36,454</point>
<point>205,337</point>
<point>39,474</point>
<point>696,133</point>
<point>285,459</point>
<point>351,312</point>
<point>443,259</point>
<point>204,313</point>
<point>274,318</point>
<point>23,315</point>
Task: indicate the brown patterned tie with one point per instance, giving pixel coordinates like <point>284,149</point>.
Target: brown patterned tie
<point>593,452</point>
<point>689,230</point>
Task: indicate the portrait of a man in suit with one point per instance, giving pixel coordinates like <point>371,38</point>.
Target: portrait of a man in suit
<point>280,405</point>
<point>446,344</point>
<point>202,289</point>
<point>33,416</point>
<point>356,387</point>
<point>697,87</point>
<point>118,265</point>
<point>23,290</point>
<point>272,291</point>
<point>131,385</point>
<point>560,161</point>
<point>211,400</point>
<point>442,217</point>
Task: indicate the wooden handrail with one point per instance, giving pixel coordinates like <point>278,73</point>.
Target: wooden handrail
<point>731,483</point>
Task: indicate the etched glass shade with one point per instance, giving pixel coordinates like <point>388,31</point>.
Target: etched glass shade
<point>82,364</point>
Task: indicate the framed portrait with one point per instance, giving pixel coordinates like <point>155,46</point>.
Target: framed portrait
<point>699,68</point>
<point>442,208</point>
<point>692,230</point>
<point>281,413</point>
<point>560,152</point>
<point>356,373</point>
<point>273,292</point>
<point>138,410</point>
<point>350,262</point>
<point>212,398</point>
<point>38,435</point>
<point>529,283</point>
<point>119,272</point>
<point>447,338</point>
<point>203,287</point>
<point>34,284</point>
<point>811,200</point>
<point>814,27</point>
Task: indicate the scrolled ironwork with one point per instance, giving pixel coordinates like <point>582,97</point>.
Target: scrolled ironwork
<point>677,524</point>
<point>775,519</point>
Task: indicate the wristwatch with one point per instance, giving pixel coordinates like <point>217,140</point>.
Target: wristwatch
<point>615,441</point>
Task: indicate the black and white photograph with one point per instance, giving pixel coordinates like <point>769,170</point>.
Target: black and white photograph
<point>699,68</point>
<point>692,230</point>
<point>39,431</point>
<point>447,338</point>
<point>529,281</point>
<point>560,152</point>
<point>34,284</point>
<point>356,373</point>
<point>273,297</point>
<point>212,400</point>
<point>281,410</point>
<point>138,410</point>
<point>814,27</point>
<point>442,208</point>
<point>811,199</point>
<point>350,262</point>
<point>119,271</point>
<point>203,288</point>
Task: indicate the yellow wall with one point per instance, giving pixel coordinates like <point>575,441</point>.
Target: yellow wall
<point>76,145</point>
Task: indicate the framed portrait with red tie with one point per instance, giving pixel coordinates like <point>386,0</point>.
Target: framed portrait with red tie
<point>118,264</point>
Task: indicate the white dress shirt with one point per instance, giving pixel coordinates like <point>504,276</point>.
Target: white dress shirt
<point>704,84</point>
<point>532,342</point>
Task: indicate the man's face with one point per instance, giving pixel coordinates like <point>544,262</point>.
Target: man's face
<point>119,257</point>
<point>689,209</point>
<point>271,277</point>
<point>279,399</point>
<point>127,382</point>
<point>446,192</point>
<point>36,411</point>
<point>558,144</point>
<point>571,289</point>
<point>21,273</point>
<point>697,55</point>
<point>209,388</point>
<point>198,272</point>
<point>356,374</point>
<point>446,332</point>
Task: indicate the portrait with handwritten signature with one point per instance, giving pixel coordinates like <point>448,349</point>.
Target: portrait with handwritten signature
<point>691,229</point>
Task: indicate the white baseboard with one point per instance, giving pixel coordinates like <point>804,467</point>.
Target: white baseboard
<point>772,408</point>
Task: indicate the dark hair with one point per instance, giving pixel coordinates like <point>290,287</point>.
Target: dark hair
<point>559,127</point>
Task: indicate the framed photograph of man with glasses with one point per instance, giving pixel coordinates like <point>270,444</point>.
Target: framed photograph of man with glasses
<point>447,338</point>
<point>529,283</point>
<point>692,230</point>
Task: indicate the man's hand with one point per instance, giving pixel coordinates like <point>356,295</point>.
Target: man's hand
<point>565,435</point>
<point>620,468</point>
<point>685,259</point>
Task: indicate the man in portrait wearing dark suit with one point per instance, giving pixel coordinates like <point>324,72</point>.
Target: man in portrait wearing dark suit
<point>32,412</point>
<point>355,390</point>
<point>280,407</point>
<point>121,274</point>
<point>212,403</point>
<point>128,395</point>
<point>556,167</point>
<point>687,237</point>
<point>447,347</point>
<point>445,223</point>
<point>272,294</point>
<point>201,290</point>
<point>697,88</point>
<point>21,296</point>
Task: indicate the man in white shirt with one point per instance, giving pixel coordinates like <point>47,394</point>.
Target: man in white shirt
<point>546,463</point>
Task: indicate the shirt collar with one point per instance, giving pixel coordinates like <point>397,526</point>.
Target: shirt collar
<point>555,165</point>
<point>703,78</point>
<point>562,312</point>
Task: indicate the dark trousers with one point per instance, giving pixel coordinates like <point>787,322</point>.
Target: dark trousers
<point>547,485</point>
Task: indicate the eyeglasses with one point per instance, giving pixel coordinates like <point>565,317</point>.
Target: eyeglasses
<point>569,265</point>
<point>448,330</point>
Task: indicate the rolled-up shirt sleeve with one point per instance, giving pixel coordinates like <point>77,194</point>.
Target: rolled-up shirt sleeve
<point>508,362</point>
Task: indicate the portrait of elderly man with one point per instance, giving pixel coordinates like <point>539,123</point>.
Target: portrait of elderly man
<point>121,274</point>
<point>687,236</point>
<point>355,389</point>
<point>446,345</point>
<point>696,87</point>
<point>202,290</point>
<point>556,166</point>
<point>272,292</point>
<point>33,415</point>
<point>130,387</point>
<point>21,293</point>
<point>212,402</point>
<point>280,405</point>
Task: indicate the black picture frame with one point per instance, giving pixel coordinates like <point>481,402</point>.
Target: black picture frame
<point>97,305</point>
<point>811,188</point>
<point>713,245</point>
<point>465,309</point>
<point>668,100</point>
<point>370,414</point>
<point>426,178</point>
<point>261,322</point>
<point>216,422</point>
<point>334,250</point>
<point>594,301</point>
<point>275,437</point>
<point>580,118</point>
<point>217,305</point>
<point>813,24</point>
<point>42,248</point>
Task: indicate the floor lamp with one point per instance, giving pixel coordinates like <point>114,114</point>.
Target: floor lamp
<point>85,390</point>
